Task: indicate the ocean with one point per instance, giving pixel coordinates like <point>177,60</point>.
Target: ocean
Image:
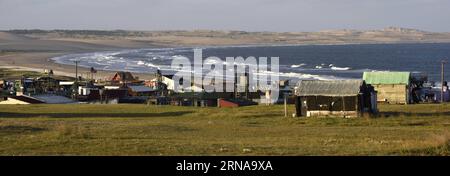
<point>296,62</point>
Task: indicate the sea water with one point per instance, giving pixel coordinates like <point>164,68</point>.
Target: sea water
<point>296,62</point>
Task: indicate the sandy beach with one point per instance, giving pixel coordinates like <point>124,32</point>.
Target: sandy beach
<point>30,54</point>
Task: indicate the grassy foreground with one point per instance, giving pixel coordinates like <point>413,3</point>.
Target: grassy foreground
<point>257,130</point>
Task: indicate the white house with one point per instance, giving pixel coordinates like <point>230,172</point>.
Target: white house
<point>170,83</point>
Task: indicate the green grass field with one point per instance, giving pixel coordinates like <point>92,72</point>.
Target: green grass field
<point>13,74</point>
<point>256,130</point>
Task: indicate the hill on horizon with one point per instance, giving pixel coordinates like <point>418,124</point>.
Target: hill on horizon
<point>231,37</point>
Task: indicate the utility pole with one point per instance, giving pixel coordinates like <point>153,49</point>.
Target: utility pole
<point>285,104</point>
<point>76,79</point>
<point>443,62</point>
<point>76,70</point>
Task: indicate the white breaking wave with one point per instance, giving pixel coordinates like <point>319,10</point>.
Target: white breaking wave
<point>148,60</point>
<point>340,68</point>
<point>152,65</point>
<point>300,76</point>
<point>297,66</point>
<point>141,63</point>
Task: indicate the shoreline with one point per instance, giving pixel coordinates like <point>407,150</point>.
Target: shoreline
<point>42,61</point>
<point>33,54</point>
<point>223,46</point>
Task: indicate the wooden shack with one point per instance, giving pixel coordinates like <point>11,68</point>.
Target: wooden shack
<point>392,87</point>
<point>335,98</point>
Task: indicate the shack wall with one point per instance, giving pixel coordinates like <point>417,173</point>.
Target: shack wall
<point>347,114</point>
<point>316,106</point>
<point>392,93</point>
<point>348,103</point>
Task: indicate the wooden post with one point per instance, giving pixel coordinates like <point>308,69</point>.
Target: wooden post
<point>356,105</point>
<point>76,70</point>
<point>285,105</point>
<point>343,105</point>
<point>76,79</point>
<point>298,106</point>
<point>442,80</point>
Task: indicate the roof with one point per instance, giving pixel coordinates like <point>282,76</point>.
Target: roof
<point>328,87</point>
<point>27,99</point>
<point>169,76</point>
<point>54,99</point>
<point>66,83</point>
<point>112,87</point>
<point>141,89</point>
<point>124,76</point>
<point>387,77</point>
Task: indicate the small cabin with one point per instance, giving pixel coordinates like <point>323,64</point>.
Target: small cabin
<point>335,98</point>
<point>392,87</point>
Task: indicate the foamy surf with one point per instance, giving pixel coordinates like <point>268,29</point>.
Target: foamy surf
<point>297,66</point>
<point>340,68</point>
<point>150,60</point>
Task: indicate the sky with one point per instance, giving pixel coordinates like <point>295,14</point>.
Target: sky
<point>246,15</point>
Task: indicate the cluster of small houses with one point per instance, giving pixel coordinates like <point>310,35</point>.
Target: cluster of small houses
<point>342,98</point>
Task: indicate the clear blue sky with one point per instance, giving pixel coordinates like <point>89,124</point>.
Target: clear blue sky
<point>249,15</point>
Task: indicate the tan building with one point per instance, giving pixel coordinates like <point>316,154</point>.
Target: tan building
<point>391,87</point>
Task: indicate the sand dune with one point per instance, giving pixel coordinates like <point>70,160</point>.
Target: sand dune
<point>4,37</point>
<point>25,44</point>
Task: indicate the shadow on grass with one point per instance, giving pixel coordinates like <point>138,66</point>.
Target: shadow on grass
<point>410,114</point>
<point>262,115</point>
<point>442,150</point>
<point>93,115</point>
<point>13,129</point>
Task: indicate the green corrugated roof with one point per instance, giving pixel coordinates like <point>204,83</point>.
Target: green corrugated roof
<point>386,77</point>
